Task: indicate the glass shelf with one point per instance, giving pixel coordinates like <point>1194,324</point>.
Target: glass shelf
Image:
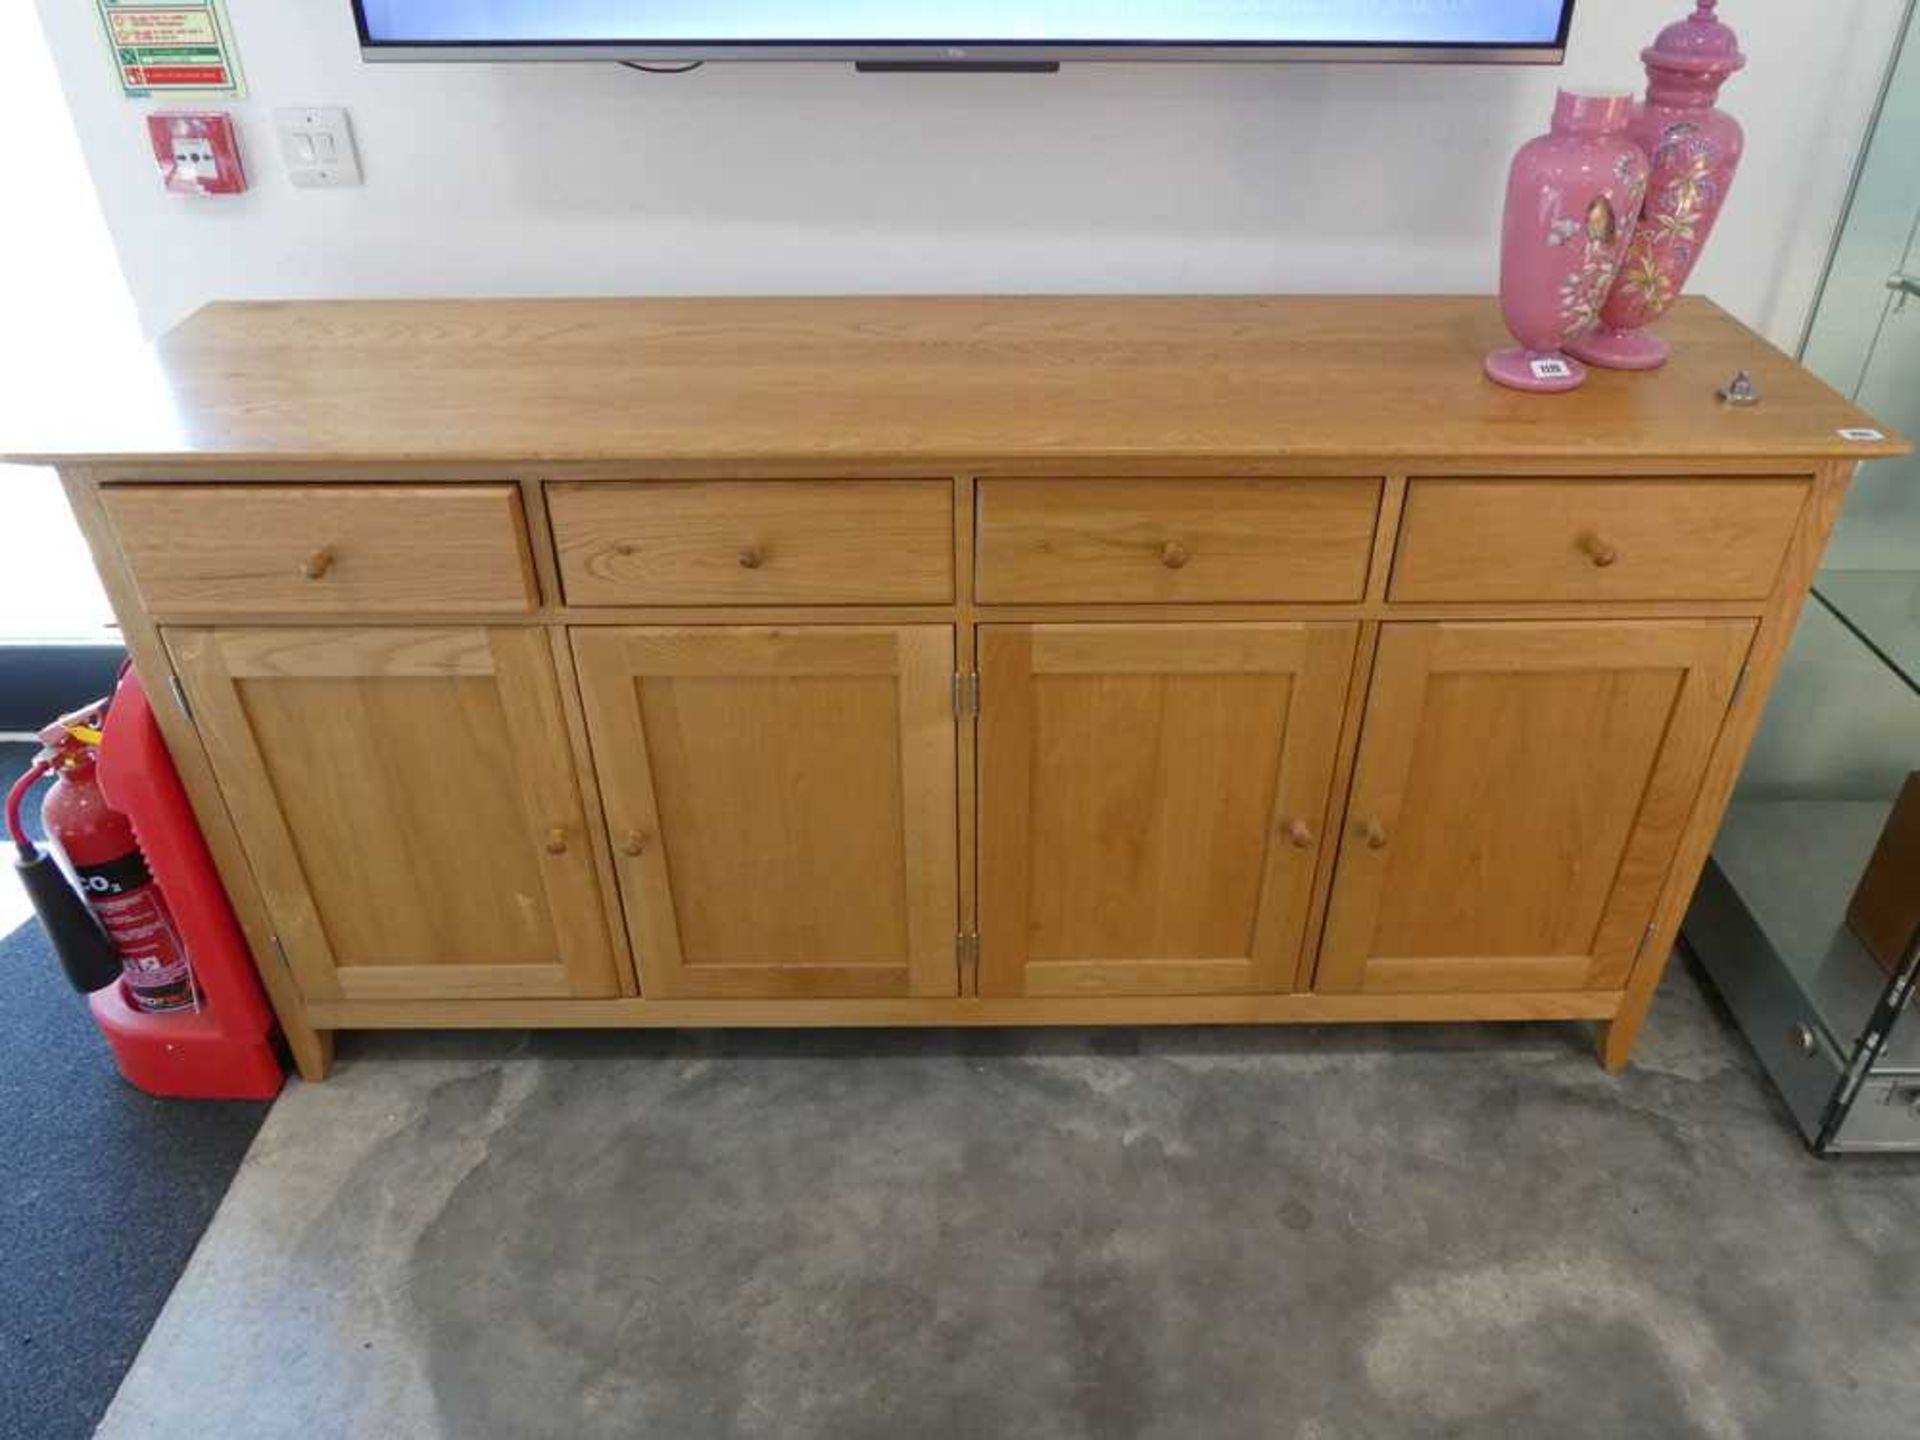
<point>1794,864</point>
<point>1769,923</point>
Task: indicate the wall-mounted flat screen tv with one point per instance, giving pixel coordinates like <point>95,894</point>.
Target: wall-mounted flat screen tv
<point>962,32</point>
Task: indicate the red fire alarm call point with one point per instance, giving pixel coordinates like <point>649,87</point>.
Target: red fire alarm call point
<point>198,152</point>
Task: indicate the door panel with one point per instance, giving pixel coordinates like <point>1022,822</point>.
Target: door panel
<point>1152,798</point>
<point>408,803</point>
<point>783,806</point>
<point>1519,794</point>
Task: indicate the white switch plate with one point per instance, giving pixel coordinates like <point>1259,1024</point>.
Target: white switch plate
<point>316,145</point>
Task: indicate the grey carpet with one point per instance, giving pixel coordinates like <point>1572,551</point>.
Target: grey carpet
<point>105,1193</point>
<point>38,682</point>
<point>1203,1233</point>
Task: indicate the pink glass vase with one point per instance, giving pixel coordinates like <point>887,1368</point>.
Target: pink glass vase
<point>1695,149</point>
<point>1572,199</point>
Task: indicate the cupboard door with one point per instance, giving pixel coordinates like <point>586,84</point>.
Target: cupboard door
<point>1152,802</point>
<point>783,805</point>
<point>407,801</point>
<point>1519,794</point>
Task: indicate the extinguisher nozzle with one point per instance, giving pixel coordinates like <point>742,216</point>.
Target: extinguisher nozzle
<point>85,952</point>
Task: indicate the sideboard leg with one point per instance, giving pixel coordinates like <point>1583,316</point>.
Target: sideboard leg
<point>1620,1034</point>
<point>312,1052</point>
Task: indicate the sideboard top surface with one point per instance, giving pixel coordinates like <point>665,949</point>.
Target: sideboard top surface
<point>1001,381</point>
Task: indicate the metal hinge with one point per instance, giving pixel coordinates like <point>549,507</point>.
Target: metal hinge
<point>180,695</point>
<point>1739,687</point>
<point>966,949</point>
<point>281,950</point>
<point>966,693</point>
<point>1646,939</point>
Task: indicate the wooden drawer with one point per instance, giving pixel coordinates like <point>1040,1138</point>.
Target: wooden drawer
<point>318,549</point>
<point>1094,541</point>
<point>1527,540</point>
<point>751,542</point>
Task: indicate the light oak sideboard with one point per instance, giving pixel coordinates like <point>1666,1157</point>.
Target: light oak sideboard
<point>948,661</point>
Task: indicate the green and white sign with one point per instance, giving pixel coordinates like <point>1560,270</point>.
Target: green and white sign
<point>172,47</point>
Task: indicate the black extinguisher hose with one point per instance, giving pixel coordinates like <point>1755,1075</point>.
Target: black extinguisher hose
<point>85,952</point>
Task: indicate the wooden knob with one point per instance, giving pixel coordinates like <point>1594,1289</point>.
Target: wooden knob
<point>1299,834</point>
<point>1174,555</point>
<point>752,558</point>
<point>557,841</point>
<point>1375,834</point>
<point>635,842</point>
<point>1599,551</point>
<point>317,565</point>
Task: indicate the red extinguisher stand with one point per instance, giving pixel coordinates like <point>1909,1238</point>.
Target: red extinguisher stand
<point>224,1048</point>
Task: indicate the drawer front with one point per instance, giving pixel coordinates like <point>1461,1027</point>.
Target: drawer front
<point>325,549</point>
<point>1116,541</point>
<point>749,542</point>
<point>1544,540</point>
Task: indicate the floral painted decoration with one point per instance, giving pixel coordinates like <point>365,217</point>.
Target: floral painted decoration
<point>1689,179</point>
<point>1601,233</point>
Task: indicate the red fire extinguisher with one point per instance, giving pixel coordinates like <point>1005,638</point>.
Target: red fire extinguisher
<point>143,947</point>
<point>144,928</point>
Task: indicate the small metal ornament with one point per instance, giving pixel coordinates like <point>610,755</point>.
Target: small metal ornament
<point>1741,390</point>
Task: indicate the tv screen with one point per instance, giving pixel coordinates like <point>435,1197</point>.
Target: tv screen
<point>952,30</point>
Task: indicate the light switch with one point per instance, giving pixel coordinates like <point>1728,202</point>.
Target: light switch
<point>316,142</point>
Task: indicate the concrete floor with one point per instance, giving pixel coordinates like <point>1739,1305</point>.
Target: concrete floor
<point>1184,1234</point>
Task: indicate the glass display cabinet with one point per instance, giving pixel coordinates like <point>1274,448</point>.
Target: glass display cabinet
<point>1806,917</point>
<point>1830,1019</point>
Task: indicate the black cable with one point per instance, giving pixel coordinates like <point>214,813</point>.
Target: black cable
<point>663,69</point>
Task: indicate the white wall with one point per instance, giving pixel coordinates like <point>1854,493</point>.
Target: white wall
<point>569,179</point>
<point>66,297</point>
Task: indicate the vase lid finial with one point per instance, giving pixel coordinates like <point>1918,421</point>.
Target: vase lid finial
<point>1700,45</point>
